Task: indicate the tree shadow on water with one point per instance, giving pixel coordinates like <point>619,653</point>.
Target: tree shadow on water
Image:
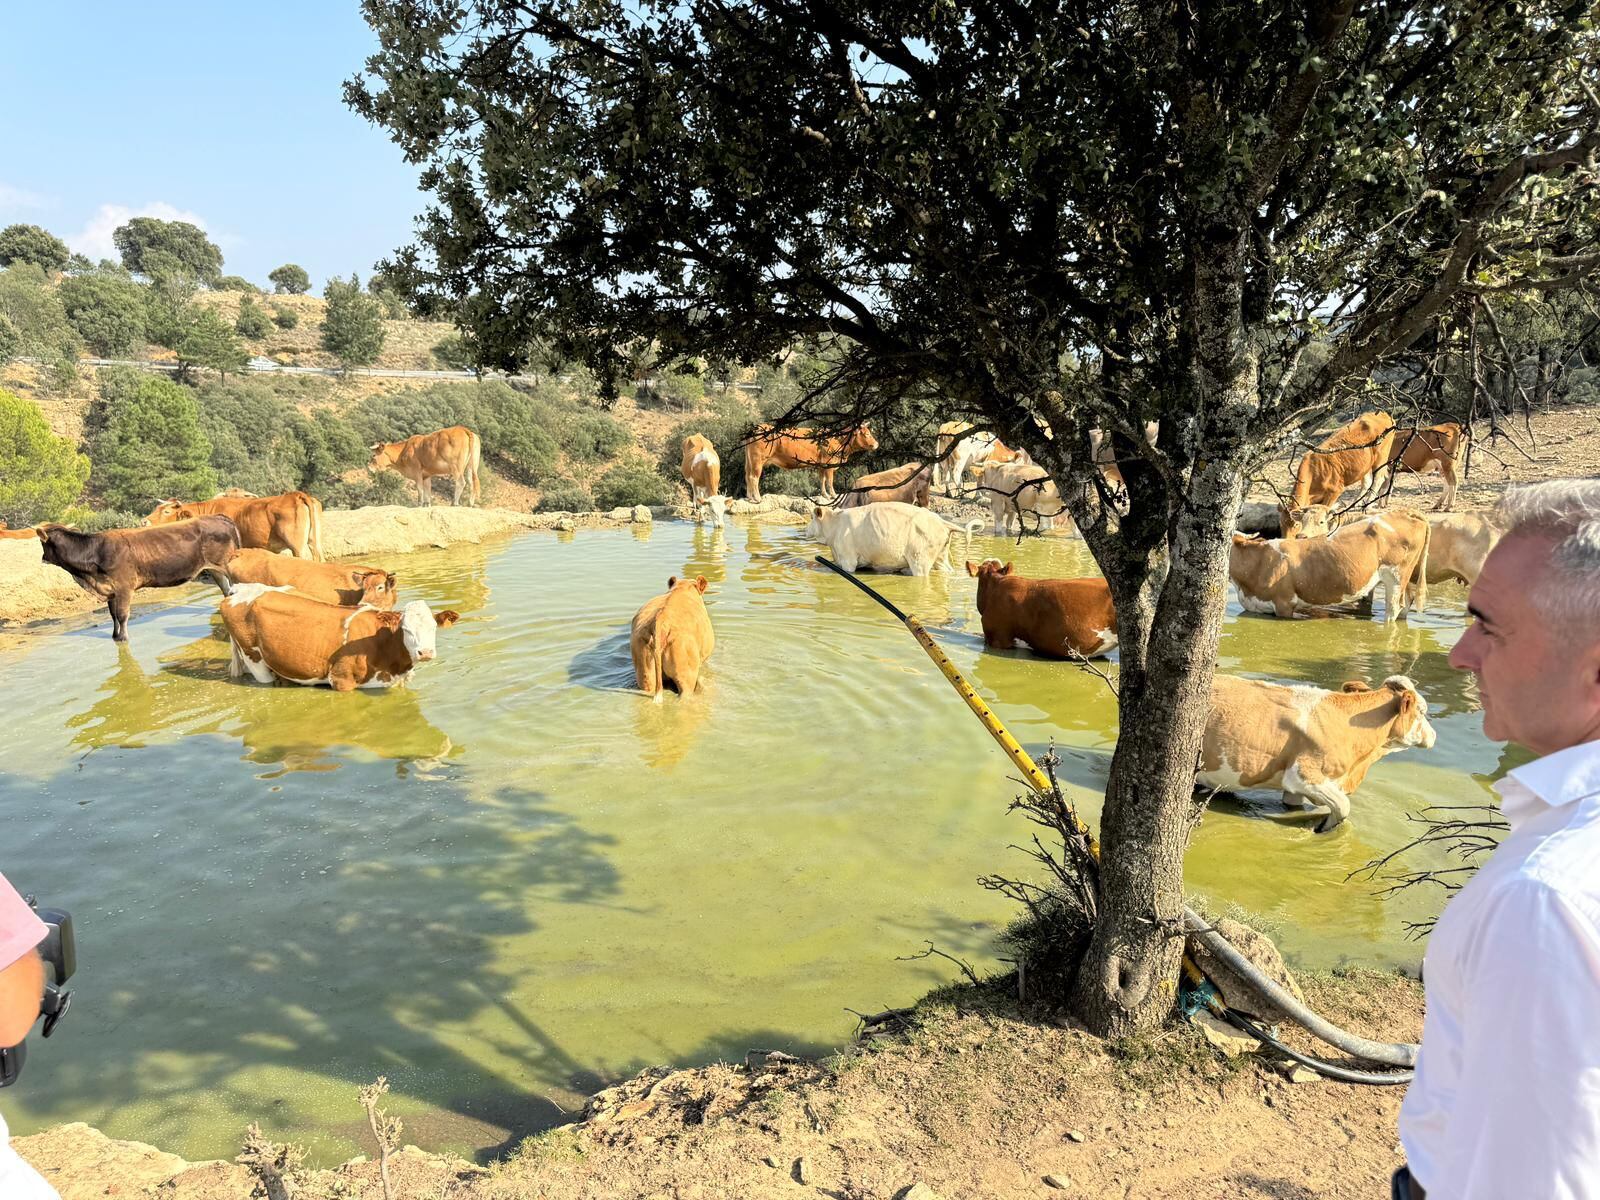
<point>251,956</point>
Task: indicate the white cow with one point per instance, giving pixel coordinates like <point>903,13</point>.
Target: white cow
<point>887,537</point>
<point>1029,486</point>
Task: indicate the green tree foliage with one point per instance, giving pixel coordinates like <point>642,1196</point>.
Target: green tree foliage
<point>114,386</point>
<point>261,442</point>
<point>451,353</point>
<point>236,283</point>
<point>352,329</point>
<point>210,342</point>
<point>107,309</point>
<point>564,495</point>
<point>383,291</point>
<point>31,244</point>
<point>1035,220</point>
<point>252,320</point>
<point>593,436</point>
<point>630,483</point>
<point>40,474</point>
<point>169,303</point>
<point>149,245</point>
<point>10,340</point>
<point>34,309</point>
<point>290,280</point>
<point>152,447</point>
<point>284,318</point>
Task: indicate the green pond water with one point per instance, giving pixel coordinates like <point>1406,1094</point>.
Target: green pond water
<point>517,880</point>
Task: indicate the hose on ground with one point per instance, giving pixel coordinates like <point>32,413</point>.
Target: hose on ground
<point>1328,1069</point>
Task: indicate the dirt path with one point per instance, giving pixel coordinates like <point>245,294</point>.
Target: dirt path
<point>977,1101</point>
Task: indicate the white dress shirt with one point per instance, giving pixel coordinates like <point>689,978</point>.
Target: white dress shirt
<point>1506,1102</point>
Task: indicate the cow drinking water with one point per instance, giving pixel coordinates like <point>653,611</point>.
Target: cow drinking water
<point>702,470</point>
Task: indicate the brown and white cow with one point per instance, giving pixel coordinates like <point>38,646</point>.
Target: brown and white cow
<point>1104,452</point>
<point>1016,488</point>
<point>672,638</point>
<point>1458,544</point>
<point>332,583</point>
<point>910,483</point>
<point>291,521</point>
<point>1350,456</point>
<point>1315,745</point>
<point>1312,521</point>
<point>277,634</point>
<point>702,468</point>
<point>115,564</point>
<point>801,449</point>
<point>1431,449</point>
<point>1284,574</point>
<point>1058,618</point>
<point>455,452</point>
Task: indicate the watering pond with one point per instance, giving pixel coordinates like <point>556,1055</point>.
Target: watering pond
<point>517,879</point>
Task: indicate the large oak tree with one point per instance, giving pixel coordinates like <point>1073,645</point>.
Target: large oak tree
<point>1049,216</point>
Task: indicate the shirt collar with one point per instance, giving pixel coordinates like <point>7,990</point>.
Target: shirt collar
<point>1549,782</point>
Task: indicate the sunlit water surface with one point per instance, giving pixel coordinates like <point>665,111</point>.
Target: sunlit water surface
<point>518,879</point>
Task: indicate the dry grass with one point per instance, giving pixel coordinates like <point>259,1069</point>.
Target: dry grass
<point>408,345</point>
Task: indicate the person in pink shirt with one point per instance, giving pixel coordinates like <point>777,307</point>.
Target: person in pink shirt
<point>21,988</point>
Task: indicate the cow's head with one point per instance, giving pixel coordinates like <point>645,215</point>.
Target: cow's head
<point>697,584</point>
<point>384,454</point>
<point>861,440</point>
<point>821,518</point>
<point>166,512</point>
<point>1410,726</point>
<point>378,588</point>
<point>1306,521</point>
<point>987,572</point>
<point>719,508</point>
<point>418,626</point>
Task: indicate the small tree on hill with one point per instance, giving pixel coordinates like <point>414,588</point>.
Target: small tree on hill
<point>152,447</point>
<point>210,342</point>
<point>10,340</point>
<point>285,318</point>
<point>40,474</point>
<point>235,283</point>
<point>107,310</point>
<point>352,329</point>
<point>169,302</point>
<point>34,309</point>
<point>290,279</point>
<point>143,239</point>
<point>252,321</point>
<point>31,244</point>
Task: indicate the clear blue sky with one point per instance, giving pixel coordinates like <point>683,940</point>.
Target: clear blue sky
<point>229,113</point>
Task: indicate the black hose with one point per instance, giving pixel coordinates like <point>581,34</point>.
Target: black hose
<point>1331,1070</point>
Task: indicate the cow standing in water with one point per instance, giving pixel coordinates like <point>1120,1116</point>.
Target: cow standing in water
<point>115,564</point>
<point>456,452</point>
<point>801,449</point>
<point>1058,618</point>
<point>702,469</point>
<point>332,583</point>
<point>671,638</point>
<point>291,521</point>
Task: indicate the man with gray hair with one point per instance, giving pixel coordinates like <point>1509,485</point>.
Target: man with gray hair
<point>1506,1101</point>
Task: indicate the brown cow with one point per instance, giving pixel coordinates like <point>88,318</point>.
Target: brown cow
<point>702,468</point>
<point>456,452</point>
<point>115,564</point>
<point>1431,449</point>
<point>1282,575</point>
<point>332,583</point>
<point>291,521</point>
<point>1352,455</point>
<point>800,449</point>
<point>277,634</point>
<point>1055,617</point>
<point>672,638</point>
<point>1312,521</point>
<point>1315,744</point>
<point>7,532</point>
<point>1458,545</point>
<point>909,484</point>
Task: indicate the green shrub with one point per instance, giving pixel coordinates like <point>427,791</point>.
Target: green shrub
<point>352,328</point>
<point>90,520</point>
<point>285,318</point>
<point>378,487</point>
<point>10,340</point>
<point>452,354</point>
<point>252,321</point>
<point>40,474</point>
<point>34,309</point>
<point>593,436</point>
<point>236,283</point>
<point>107,309</point>
<point>290,278</point>
<point>517,427</point>
<point>262,443</point>
<point>630,483</point>
<point>566,496</point>
<point>153,447</point>
<point>209,342</point>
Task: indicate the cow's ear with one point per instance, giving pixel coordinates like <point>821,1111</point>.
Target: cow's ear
<point>972,567</point>
<point>672,582</point>
<point>1006,570</point>
<point>700,582</point>
<point>1355,685</point>
<point>1408,702</point>
<point>42,532</point>
<point>448,617</point>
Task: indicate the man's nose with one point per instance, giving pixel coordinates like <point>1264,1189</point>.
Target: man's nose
<point>1464,654</point>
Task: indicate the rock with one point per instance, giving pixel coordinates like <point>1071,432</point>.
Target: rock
<point>770,1161</point>
<point>1258,948</point>
<point>1073,1135</point>
<point>1059,1182</point>
<point>917,1191</point>
<point>1298,1072</point>
<point>642,514</point>
<point>620,514</point>
<point>1223,1036</point>
<point>565,525</point>
<point>802,1172</point>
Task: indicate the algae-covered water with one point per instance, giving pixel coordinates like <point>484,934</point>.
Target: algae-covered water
<point>518,879</point>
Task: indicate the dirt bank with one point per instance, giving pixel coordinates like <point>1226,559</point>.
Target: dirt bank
<point>975,1100</point>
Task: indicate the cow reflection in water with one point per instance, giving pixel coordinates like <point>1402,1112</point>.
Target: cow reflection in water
<point>709,555</point>
<point>667,732</point>
<point>291,728</point>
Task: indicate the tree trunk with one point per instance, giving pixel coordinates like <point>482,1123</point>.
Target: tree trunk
<point>1126,980</point>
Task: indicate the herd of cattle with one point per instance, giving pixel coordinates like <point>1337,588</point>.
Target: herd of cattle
<point>291,616</point>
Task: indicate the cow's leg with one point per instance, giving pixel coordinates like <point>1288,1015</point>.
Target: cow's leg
<point>825,475</point>
<point>455,499</point>
<point>1394,589</point>
<point>1447,468</point>
<point>1309,783</point>
<point>119,604</point>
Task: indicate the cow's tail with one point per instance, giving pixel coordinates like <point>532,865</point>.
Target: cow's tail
<point>1417,597</point>
<point>656,649</point>
<point>474,462</point>
<point>314,526</point>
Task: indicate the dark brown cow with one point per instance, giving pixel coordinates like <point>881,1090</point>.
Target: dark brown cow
<point>115,564</point>
<point>909,484</point>
<point>799,449</point>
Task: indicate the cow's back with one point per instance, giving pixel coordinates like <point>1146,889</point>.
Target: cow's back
<point>1056,617</point>
<point>297,637</point>
<point>1254,731</point>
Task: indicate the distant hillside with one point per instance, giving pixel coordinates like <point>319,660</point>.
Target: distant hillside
<point>407,346</point>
